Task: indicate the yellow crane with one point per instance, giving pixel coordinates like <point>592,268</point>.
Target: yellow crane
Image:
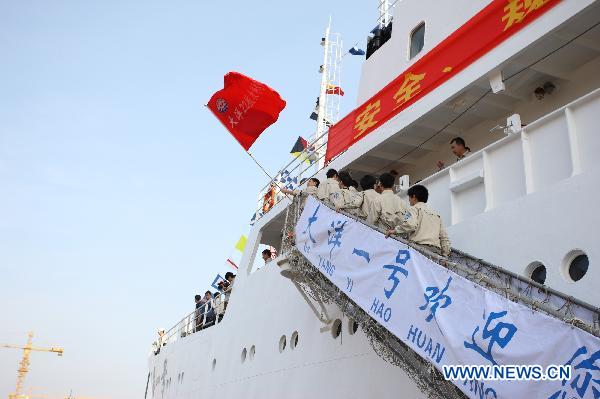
<point>24,365</point>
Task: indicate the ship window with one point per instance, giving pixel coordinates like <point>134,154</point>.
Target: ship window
<point>538,274</point>
<point>282,343</point>
<point>252,352</point>
<point>336,328</point>
<point>352,327</point>
<point>294,340</point>
<point>417,40</point>
<point>244,355</point>
<point>576,265</point>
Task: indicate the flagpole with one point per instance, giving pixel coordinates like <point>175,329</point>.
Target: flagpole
<point>250,155</point>
<point>259,165</point>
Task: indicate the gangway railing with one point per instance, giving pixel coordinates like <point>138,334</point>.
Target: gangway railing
<point>516,288</point>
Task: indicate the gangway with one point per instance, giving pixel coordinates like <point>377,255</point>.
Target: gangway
<point>515,288</point>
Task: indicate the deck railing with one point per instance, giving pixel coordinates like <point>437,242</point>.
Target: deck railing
<point>208,314</point>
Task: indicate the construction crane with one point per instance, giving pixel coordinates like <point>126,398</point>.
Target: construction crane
<point>24,365</point>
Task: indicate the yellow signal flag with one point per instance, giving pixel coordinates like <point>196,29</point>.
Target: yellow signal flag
<point>241,244</point>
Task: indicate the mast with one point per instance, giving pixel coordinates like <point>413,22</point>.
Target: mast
<point>384,13</point>
<point>328,110</point>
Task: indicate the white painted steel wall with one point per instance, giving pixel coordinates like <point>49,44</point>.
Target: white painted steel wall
<point>266,307</point>
<point>531,197</point>
<point>392,58</point>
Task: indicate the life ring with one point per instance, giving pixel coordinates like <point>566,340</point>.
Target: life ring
<point>269,200</point>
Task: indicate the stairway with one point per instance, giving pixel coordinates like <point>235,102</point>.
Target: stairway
<point>513,287</point>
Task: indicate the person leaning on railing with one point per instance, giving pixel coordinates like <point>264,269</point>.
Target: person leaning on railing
<point>330,186</point>
<point>423,225</point>
<point>370,204</point>
<point>390,206</point>
<point>345,199</point>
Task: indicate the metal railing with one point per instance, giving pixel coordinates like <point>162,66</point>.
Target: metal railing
<point>516,288</point>
<point>206,314</point>
<point>299,168</point>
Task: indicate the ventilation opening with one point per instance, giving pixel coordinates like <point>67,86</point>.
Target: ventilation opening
<point>294,340</point>
<point>537,272</point>
<point>244,353</point>
<point>417,40</point>
<point>282,343</point>
<point>352,327</point>
<point>336,328</point>
<point>575,265</point>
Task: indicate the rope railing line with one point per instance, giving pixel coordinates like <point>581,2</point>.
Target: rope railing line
<point>389,347</point>
<point>501,281</point>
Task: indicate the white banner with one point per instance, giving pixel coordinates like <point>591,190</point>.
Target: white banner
<point>445,318</point>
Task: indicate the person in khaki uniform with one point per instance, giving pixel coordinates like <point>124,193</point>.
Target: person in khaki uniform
<point>346,199</point>
<point>370,197</point>
<point>391,207</point>
<point>329,186</point>
<point>423,225</point>
<point>312,185</point>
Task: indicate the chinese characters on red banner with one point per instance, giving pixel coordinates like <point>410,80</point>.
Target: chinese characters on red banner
<point>245,107</point>
<point>487,29</point>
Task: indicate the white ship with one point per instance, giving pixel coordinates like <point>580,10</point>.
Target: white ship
<point>525,199</point>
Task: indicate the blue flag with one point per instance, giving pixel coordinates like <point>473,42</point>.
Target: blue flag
<point>356,51</point>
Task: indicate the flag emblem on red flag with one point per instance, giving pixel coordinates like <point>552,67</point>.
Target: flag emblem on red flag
<point>246,107</point>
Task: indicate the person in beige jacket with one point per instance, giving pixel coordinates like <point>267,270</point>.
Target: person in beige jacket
<point>329,186</point>
<point>345,199</point>
<point>312,187</point>
<point>390,207</point>
<point>423,225</point>
<point>370,199</point>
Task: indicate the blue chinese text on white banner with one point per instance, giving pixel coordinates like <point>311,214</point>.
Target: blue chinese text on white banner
<point>445,318</point>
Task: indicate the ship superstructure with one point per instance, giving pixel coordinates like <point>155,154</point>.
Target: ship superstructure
<point>523,199</point>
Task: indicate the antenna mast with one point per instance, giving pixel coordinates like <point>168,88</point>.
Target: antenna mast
<point>384,13</point>
<point>328,111</point>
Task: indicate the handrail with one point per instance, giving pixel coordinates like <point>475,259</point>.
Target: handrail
<point>200,318</point>
<point>502,281</point>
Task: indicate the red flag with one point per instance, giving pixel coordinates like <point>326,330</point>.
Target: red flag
<point>331,89</point>
<point>245,107</point>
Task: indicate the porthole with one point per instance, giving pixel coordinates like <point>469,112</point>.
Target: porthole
<point>575,265</point>
<point>243,357</point>
<point>282,343</point>
<point>336,328</point>
<point>417,40</point>
<point>537,272</point>
<point>294,340</point>
<point>252,352</point>
<point>352,327</point>
<point>214,364</point>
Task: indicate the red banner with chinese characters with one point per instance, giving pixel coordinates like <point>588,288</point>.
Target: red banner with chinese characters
<point>245,107</point>
<point>491,26</point>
